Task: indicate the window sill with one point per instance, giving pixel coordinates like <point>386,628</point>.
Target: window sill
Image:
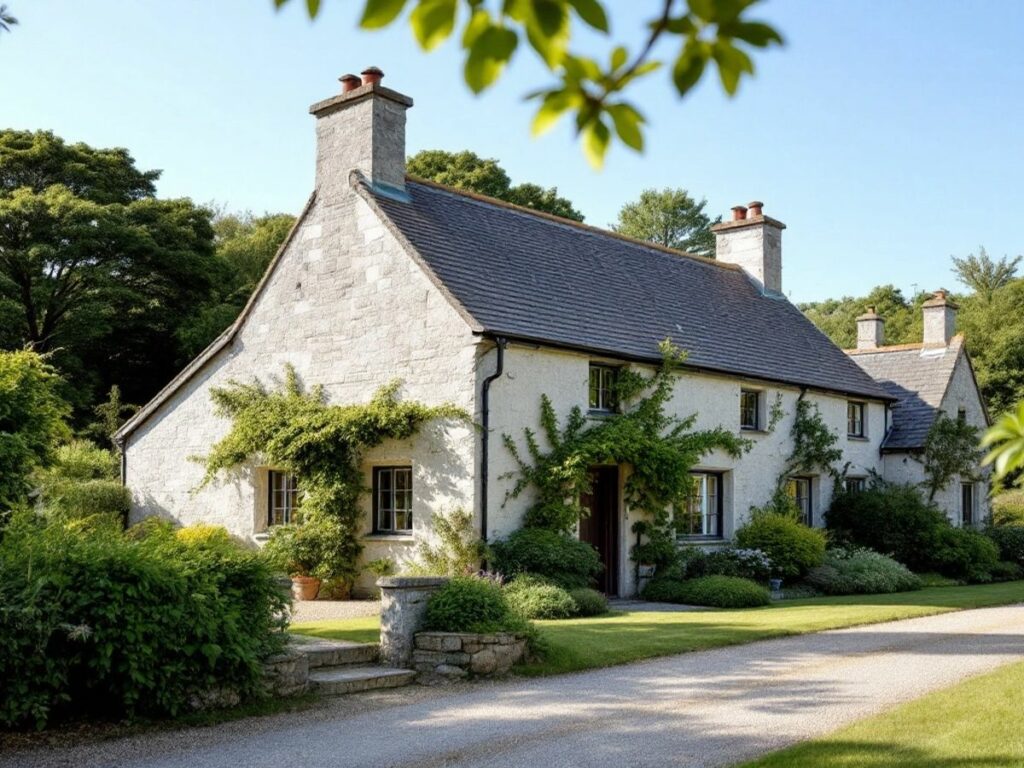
<point>859,438</point>
<point>701,539</point>
<point>402,537</point>
<point>752,431</point>
<point>601,415</point>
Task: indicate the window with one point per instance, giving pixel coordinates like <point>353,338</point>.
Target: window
<point>855,419</point>
<point>703,513</point>
<point>392,499</point>
<point>961,415</point>
<point>799,490</point>
<point>602,388</point>
<point>967,504</point>
<point>283,498</point>
<point>750,409</point>
<point>854,484</point>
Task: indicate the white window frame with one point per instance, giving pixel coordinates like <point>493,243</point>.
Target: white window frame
<point>853,406</point>
<point>601,398</point>
<point>758,396</point>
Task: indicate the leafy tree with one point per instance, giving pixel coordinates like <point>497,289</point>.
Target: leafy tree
<point>702,33</point>
<point>983,275</point>
<point>837,318</point>
<point>110,416</point>
<point>950,449</point>
<point>669,217</point>
<point>93,267</point>
<point>32,421</point>
<point>994,332</point>
<point>467,170</point>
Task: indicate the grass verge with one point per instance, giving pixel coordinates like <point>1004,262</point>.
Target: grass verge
<point>975,723</point>
<point>618,638</point>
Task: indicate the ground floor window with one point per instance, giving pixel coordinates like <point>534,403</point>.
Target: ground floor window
<point>703,513</point>
<point>283,498</point>
<point>392,499</point>
<point>854,484</point>
<point>799,490</point>
<point>967,504</point>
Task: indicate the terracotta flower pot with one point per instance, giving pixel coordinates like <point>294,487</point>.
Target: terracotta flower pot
<point>305,587</point>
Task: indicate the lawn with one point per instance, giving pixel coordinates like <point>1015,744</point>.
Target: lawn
<point>618,638</point>
<point>979,726</point>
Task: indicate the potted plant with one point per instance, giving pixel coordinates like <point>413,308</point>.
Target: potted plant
<point>294,549</point>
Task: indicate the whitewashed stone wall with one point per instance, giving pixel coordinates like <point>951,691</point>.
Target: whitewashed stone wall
<point>351,311</point>
<point>749,480</point>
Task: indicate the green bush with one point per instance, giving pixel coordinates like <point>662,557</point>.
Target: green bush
<point>894,519</point>
<point>1005,570</point>
<point>566,561</point>
<point>472,604</point>
<point>1008,508</point>
<point>663,590</point>
<point>457,550</point>
<point>1010,540</point>
<point>101,623</point>
<point>750,564</point>
<point>723,592</point>
<point>965,554</point>
<point>792,547</point>
<point>861,571</point>
<point>533,598</point>
<point>82,480</point>
<point>589,602</point>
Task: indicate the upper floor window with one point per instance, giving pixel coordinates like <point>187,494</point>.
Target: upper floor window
<point>603,379</point>
<point>967,504</point>
<point>283,497</point>
<point>799,490</point>
<point>961,415</point>
<point>854,484</point>
<point>855,419</point>
<point>703,513</point>
<point>392,499</point>
<point>750,409</point>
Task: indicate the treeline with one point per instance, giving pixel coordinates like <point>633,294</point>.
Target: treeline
<point>991,317</point>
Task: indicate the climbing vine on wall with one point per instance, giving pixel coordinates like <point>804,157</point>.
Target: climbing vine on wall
<point>815,446</point>
<point>322,445</point>
<point>660,448</point>
<point>951,448</point>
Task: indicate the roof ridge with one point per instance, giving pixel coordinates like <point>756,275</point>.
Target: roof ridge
<point>477,197</point>
<point>956,339</point>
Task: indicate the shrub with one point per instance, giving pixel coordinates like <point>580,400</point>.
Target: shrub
<point>532,598</point>
<point>889,518</point>
<point>1010,540</point>
<point>472,604</point>
<point>97,622</point>
<point>965,554</point>
<point>723,592</point>
<point>308,549</point>
<point>1008,508</point>
<point>1005,570</point>
<point>750,564</point>
<point>589,602</point>
<point>792,547</point>
<point>663,590</point>
<point>566,561</point>
<point>861,571</point>
<point>82,481</point>
<point>458,550</point>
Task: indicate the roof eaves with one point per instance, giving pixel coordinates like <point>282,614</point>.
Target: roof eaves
<point>217,344</point>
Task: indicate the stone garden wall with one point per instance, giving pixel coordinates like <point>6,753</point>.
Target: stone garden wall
<point>441,657</point>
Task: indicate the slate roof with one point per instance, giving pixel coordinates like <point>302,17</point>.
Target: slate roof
<point>918,377</point>
<point>529,276</point>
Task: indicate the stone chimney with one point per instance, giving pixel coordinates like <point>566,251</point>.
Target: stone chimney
<point>752,241</point>
<point>870,330</point>
<point>361,128</point>
<point>939,319</point>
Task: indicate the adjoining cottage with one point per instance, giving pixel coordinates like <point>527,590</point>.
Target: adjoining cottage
<point>927,379</point>
<point>490,306</point>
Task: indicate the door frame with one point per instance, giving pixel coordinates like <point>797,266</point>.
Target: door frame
<point>612,559</point>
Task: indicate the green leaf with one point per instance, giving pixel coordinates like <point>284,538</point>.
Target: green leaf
<point>433,21</point>
<point>488,56</point>
<point>619,57</point>
<point>688,68</point>
<point>592,13</point>
<point>549,15</point>
<point>757,33</point>
<point>554,105</point>
<point>732,63</point>
<point>681,25</point>
<point>380,13</point>
<point>627,124</point>
<point>478,23</point>
<point>313,7</point>
<point>596,137</point>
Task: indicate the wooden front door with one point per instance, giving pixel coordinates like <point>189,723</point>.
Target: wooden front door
<point>600,528</point>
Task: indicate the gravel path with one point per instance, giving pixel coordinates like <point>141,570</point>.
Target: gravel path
<point>323,610</point>
<point>710,708</point>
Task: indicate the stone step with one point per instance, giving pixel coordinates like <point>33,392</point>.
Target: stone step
<point>336,681</point>
<point>334,653</point>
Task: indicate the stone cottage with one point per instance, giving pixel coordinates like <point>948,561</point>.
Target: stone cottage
<point>490,306</point>
<point>926,379</point>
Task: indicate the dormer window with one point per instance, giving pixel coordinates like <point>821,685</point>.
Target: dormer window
<point>603,380</point>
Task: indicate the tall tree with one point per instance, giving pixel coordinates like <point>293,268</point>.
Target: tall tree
<point>93,267</point>
<point>703,34</point>
<point>467,170</point>
<point>984,275</point>
<point>669,217</point>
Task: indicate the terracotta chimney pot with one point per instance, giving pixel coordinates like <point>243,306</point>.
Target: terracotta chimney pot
<point>349,82</point>
<point>755,208</point>
<point>372,75</point>
<point>739,212</point>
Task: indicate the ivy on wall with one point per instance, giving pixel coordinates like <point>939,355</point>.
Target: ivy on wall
<point>660,448</point>
<point>322,445</point>
<point>815,446</point>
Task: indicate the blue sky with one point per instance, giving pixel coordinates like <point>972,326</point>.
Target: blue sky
<point>886,135</point>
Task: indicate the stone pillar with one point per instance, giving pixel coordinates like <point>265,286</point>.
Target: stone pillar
<point>403,604</point>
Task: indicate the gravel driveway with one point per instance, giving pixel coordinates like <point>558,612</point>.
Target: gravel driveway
<point>699,709</point>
